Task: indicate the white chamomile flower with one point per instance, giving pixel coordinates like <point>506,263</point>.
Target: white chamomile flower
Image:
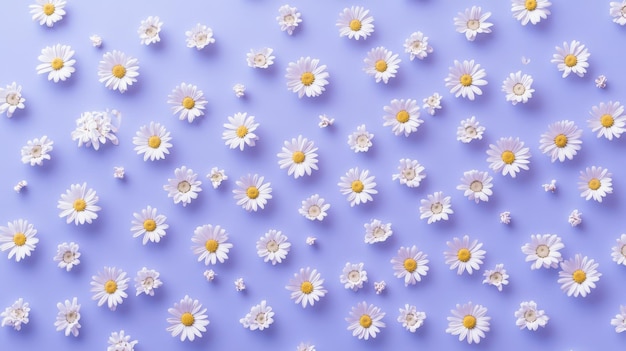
<point>259,317</point>
<point>532,11</point>
<point>210,275</point>
<point>365,320</point>
<point>596,183</point>
<point>36,151</point>
<point>240,131</point>
<point>188,102</point>
<point>469,321</point>
<point>410,318</point>
<point>16,315</point>
<point>11,99</point>
<point>465,79</point>
<point>416,45</point>
<point>146,281</point>
<point>618,12</point>
<point>78,204</point>
<point>509,156</point>
<point>68,317</point>
<point>261,58</point>
<point>618,252</point>
<point>273,246</point>
<point>353,276</point>
<point>314,207</point>
<point>608,120</point>
<point>473,22</point>
<point>496,277</point>
<point>530,317</point>
<point>410,264</point>
<point>298,155</point>
<point>97,127</point>
<point>153,141</point>
<point>48,12</point>
<point>120,342</point>
<point>118,71</point>
<point>435,207</point>
<point>199,37</point>
<point>377,231</point>
<point>288,18</point>
<point>149,30</point>
<point>464,256</point>
<point>476,185</point>
<point>469,129</point>
<point>619,322</point>
<point>403,116</point>
<point>306,77</point>
<point>543,251</point>
<point>217,176</point>
<point>359,186</point>
<point>518,87</point>
<point>578,275</point>
<point>57,62</point>
<point>184,187</point>
<point>355,23</point>
<point>149,224</point>
<point>411,173</point>
<point>562,140</point>
<point>189,319</point>
<point>360,140</point>
<point>252,193</point>
<point>67,255</point>
<point>432,103</point>
<point>381,64</point>
<point>306,287</point>
<point>211,244</point>
<point>110,286</point>
<point>19,238</point>
<point>571,58</point>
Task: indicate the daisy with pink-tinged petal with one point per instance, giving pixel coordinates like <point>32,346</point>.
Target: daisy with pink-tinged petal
<point>530,317</point>
<point>211,244</point>
<point>410,264</point>
<point>78,204</point>
<point>288,18</point>
<point>518,88</point>
<point>509,156</point>
<point>411,173</point>
<point>306,287</point>
<point>469,321</point>
<point>314,208</point>
<point>496,277</point>
<point>596,183</point>
<point>273,246</point>
<point>464,256</point>
<point>578,275</point>
<point>410,318</point>
<point>307,77</point>
<point>252,193</point>
<point>403,116</point>
<point>189,319</point>
<point>472,22</point>
<point>118,71</point>
<point>543,251</point>
<point>532,11</point>
<point>465,79</point>
<point>19,238</point>
<point>571,58</point>
<point>110,286</point>
<point>476,185</point>
<point>188,102</point>
<point>353,276</point>
<point>435,207</point>
<point>608,120</point>
<point>562,140</point>
<point>57,62</point>
<point>184,187</point>
<point>416,45</point>
<point>298,155</point>
<point>240,131</point>
<point>381,64</point>
<point>359,186</point>
<point>619,322</point>
<point>355,23</point>
<point>365,320</point>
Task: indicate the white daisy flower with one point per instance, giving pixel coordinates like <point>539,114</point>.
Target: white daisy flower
<point>410,264</point>
<point>306,77</point>
<point>571,58</point>
<point>217,176</point>
<point>464,256</point>
<point>211,244</point>
<point>57,62</point>
<point>314,207</point>
<point>252,193</point>
<point>543,251</point>
<point>16,315</point>
<point>189,319</point>
<point>325,121</point>
<point>273,246</point>
<point>469,322</point>
<point>118,71</point>
<point>121,342</point>
<point>432,103</point>
<point>149,30</point>
<point>410,318</point>
<point>96,127</point>
<point>465,79</point>
<point>79,204</point>
<point>403,116</point>
<point>496,277</point>
<point>48,12</point>
<point>68,317</point>
<point>377,231</point>
<point>473,22</point>
<point>305,347</point>
<point>360,140</point>
<point>355,23</point>
<point>532,11</point>
<point>153,141</point>
<point>505,217</point>
<point>435,207</point>
<point>469,129</point>
<point>619,251</point>
<point>529,317</point>
<point>358,185</point>
<point>261,58</point>
<point>596,183</point>
<point>416,45</point>
<point>608,119</point>
<point>210,275</point>
<point>188,102</point>
<point>379,287</point>
<point>96,40</point>
<point>184,187</point>
<point>365,320</point>
<point>578,275</point>
<point>306,287</point>
<point>67,255</point>
<point>19,238</point>
<point>518,87</point>
<point>618,12</point>
<point>619,322</point>
<point>146,281</point>
<point>240,131</point>
<point>381,64</point>
<point>575,218</point>
<point>288,18</point>
<point>199,37</point>
<point>11,99</point>
<point>149,224</point>
<point>299,156</point>
<point>36,150</point>
<point>259,317</point>
<point>353,276</point>
<point>476,185</point>
<point>110,287</point>
<point>239,89</point>
<point>562,140</point>
<point>411,173</point>
<point>509,156</point>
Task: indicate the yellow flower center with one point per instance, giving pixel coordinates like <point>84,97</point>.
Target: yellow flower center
<point>211,245</point>
<point>508,157</point>
<point>307,78</point>
<point>594,184</point>
<point>355,25</point>
<point>365,321</point>
<point>48,9</point>
<point>149,225</point>
<point>19,239</point>
<point>357,186</point>
<point>469,321</point>
<point>466,80</point>
<point>402,116</point>
<point>110,286</point>
<point>57,63</point>
<point>463,255</point>
<point>306,287</point>
<point>530,5</point>
<point>187,319</point>
<point>606,120</point>
<point>570,60</point>
<point>189,103</point>
<point>79,205</point>
<point>560,140</point>
<point>184,186</point>
<point>579,276</point>
<point>298,157</point>
<point>410,265</point>
<point>118,71</point>
<point>242,131</point>
<point>381,66</point>
<point>252,192</point>
<point>154,141</point>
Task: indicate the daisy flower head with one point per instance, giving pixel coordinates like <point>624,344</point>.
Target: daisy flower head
<point>532,11</point>
<point>120,342</point>
<point>416,45</point>
<point>575,218</point>
<point>184,187</point>
<point>118,71</point>
<point>189,319</point>
<point>305,347</point>
<point>476,185</point>
<point>11,99</point>
<point>508,156</point>
<point>261,58</point>
<point>469,129</point>
<point>187,101</point>
<point>410,318</point>
<point>432,103</point>
<point>306,287</point>
<point>48,12</point>
<point>260,317</point>
<point>543,251</point>
<point>411,173</point>
<point>288,18</point>
<point>314,207</point>
<point>465,79</point>
<point>365,320</point>
<point>469,321</point>
<point>252,193</point>
<point>505,217</point>
<point>619,251</point>
<point>473,22</point>
<point>78,204</point>
<point>359,186</point>
<point>596,183</point>
<point>57,62</point>
<point>381,64</point>
<point>435,207</point>
<point>325,121</point>
<point>273,246</point>
<point>410,264</point>
<point>67,255</point>
<point>240,285</point>
<point>601,81</point>
<point>578,275</point>
<point>562,140</point>
<point>306,77</point>
<point>149,30</point>
<point>517,87</point>
<point>68,317</point>
<point>97,127</point>
<point>217,176</point>
<point>463,255</point>
<point>299,156</point>
<point>619,322</point>
<point>355,23</point>
<point>36,151</point>
<point>403,116</point>
<point>496,277</point>
<point>353,276</point>
<point>608,119</point>
<point>530,317</point>
<point>240,131</point>
<point>377,231</point>
<point>211,244</point>
<point>110,286</point>
<point>571,58</point>
<point>199,37</point>
<point>149,224</point>
<point>360,140</point>
<point>16,315</point>
<point>239,90</point>
<point>18,237</point>
<point>146,281</point>
<point>618,12</point>
<point>153,141</point>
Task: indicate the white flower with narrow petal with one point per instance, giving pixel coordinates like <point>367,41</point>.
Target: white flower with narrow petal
<point>360,140</point>
<point>476,185</point>
<point>149,224</point>
<point>543,251</point>
<point>217,176</point>
<point>365,320</point>
<point>118,71</point>
<point>57,62</point>
<point>571,58</point>
<point>435,207</point>
<point>306,77</point>
<point>252,193</point>
<point>416,45</point>
<point>432,103</point>
<point>261,58</point>
<point>48,12</point>
<point>16,315</point>
<point>473,22</point>
<point>381,64</point>
<point>299,156</point>
<point>619,322</point>
<point>199,37</point>
<point>496,277</point>
<point>260,317</point>
<point>469,129</point>
<point>469,321</point>
<point>288,18</point>
<point>19,237</point>
<point>189,319</point>
<point>411,173</point>
<point>314,208</point>
<point>188,102</point>
<point>120,342</point>
<point>410,264</point>
<point>377,231</point>
<point>153,141</point>
<point>463,255</point>
<point>149,30</point>
<point>403,116</point>
<point>240,131</point>
<point>358,185</point>
<point>410,318</point>
<point>11,99</point>
<point>518,87</point>
<point>273,246</point>
<point>94,128</point>
<point>67,255</point>
<point>355,23</point>
<point>146,281</point>
<point>465,79</point>
<point>530,317</point>
<point>618,252</point>
<point>184,187</point>
<point>608,120</point>
<point>306,287</point>
<point>110,286</point>
<point>562,140</point>
<point>353,276</point>
<point>618,12</point>
<point>68,317</point>
<point>509,156</point>
<point>36,151</point>
<point>211,244</point>
<point>596,183</point>
<point>578,275</point>
<point>78,204</point>
<point>532,11</point>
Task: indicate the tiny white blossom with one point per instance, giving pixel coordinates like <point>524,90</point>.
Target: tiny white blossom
<point>96,40</point>
<point>310,240</point>
<point>209,274</point>
<point>575,218</point>
<point>217,176</point>
<point>525,60</point>
<point>550,186</point>
<point>240,285</point>
<point>118,172</point>
<point>432,103</point>
<point>379,287</point>
<point>239,89</point>
<point>325,121</point>
<point>505,217</point>
<point>601,81</point>
<point>20,185</point>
